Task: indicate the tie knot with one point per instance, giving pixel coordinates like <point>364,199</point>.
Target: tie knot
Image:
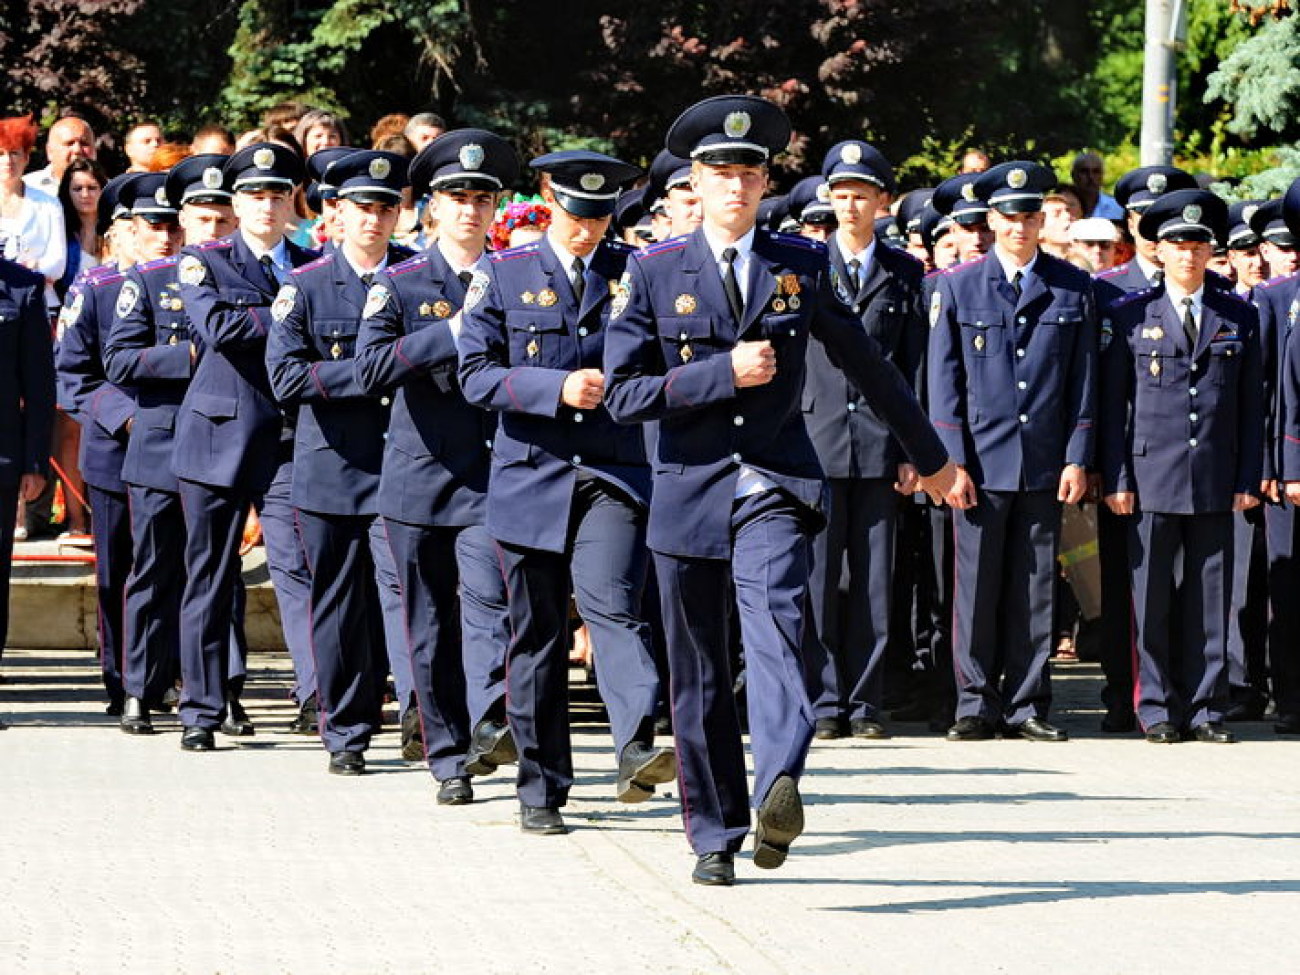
<point>465,278</point>
<point>578,266</point>
<point>729,255</point>
<point>855,265</point>
<point>368,278</point>
<point>1187,302</point>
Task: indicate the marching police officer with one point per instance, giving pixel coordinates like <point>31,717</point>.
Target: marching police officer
<point>1181,441</point>
<point>433,486</point>
<point>569,488</point>
<point>670,181</point>
<point>708,336</point>
<point>1011,384</point>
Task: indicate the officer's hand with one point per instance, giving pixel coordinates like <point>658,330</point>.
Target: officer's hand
<point>907,479</point>
<point>753,363</point>
<point>583,389</point>
<point>961,492</point>
<point>1292,492</point>
<point>1244,502</point>
<point>29,489</point>
<point>1270,490</point>
<point>1121,502</point>
<point>130,422</point>
<point>1074,484</point>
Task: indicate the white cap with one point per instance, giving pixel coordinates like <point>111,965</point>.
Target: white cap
<point>1096,230</point>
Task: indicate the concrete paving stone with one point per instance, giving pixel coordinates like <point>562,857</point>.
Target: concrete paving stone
<point>1102,855</point>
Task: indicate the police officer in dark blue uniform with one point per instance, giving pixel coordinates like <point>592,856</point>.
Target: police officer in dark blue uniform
<point>1011,384</point>
<point>230,435</point>
<point>809,201</point>
<point>866,466</point>
<point>708,337</point>
<point>1279,241</point>
<point>956,199</point>
<point>1180,449</point>
<point>569,487</point>
<point>433,487</point>
<point>338,445</point>
<point>670,181</point>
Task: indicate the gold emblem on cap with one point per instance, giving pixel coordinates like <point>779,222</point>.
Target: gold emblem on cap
<point>264,158</point>
<point>1157,182</point>
<point>737,124</point>
<point>336,350</point>
<point>471,155</point>
<point>824,193</point>
<point>1248,213</point>
<point>685,304</point>
<point>1192,213</point>
<point>160,197</point>
<point>1017,178</point>
<point>532,348</point>
<point>380,168</point>
<point>851,154</point>
<point>528,297</point>
<point>547,297</point>
<point>212,178</point>
<point>591,182</point>
<point>442,309</point>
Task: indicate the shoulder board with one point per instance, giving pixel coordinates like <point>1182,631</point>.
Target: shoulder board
<point>221,243</point>
<point>408,265</point>
<point>93,274</point>
<point>664,246</point>
<point>109,277</point>
<point>619,247</point>
<point>1278,281</point>
<point>319,262</point>
<point>1131,297</point>
<point>1235,295</point>
<point>798,240</point>
<point>1111,272</point>
<point>161,262</point>
<point>512,253</point>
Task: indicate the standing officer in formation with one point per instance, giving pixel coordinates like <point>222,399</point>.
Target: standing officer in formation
<point>670,181</point>
<point>1011,385</point>
<point>433,487</point>
<point>338,450</point>
<point>231,443</point>
<point>956,199</point>
<point>1181,443</point>
<point>1279,241</point>
<point>568,493</point>
<point>866,467</point>
<point>708,336</point>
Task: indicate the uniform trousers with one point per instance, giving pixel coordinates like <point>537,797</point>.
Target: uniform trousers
<point>290,579</point>
<point>111,528</point>
<point>769,569</point>
<point>1282,527</point>
<point>1115,630</point>
<point>8,520</point>
<point>851,596</point>
<point>1182,681</point>
<point>1003,602</point>
<point>604,563</point>
<point>1248,610</point>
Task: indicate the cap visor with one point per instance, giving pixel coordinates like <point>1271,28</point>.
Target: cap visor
<point>582,207</point>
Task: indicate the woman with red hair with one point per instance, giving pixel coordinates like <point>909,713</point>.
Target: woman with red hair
<point>31,222</point>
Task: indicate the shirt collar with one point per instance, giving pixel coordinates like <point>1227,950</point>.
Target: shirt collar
<point>1176,296</point>
<point>864,257</point>
<point>1147,268</point>
<point>383,263</point>
<point>744,247</point>
<point>279,253</point>
<point>566,257</point>
<point>457,270</point>
<point>1010,267</point>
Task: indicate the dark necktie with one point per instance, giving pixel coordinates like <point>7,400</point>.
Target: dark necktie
<point>1015,283</point>
<point>465,278</point>
<point>268,268</point>
<point>368,279</point>
<point>1157,277</point>
<point>579,279</point>
<point>1189,324</point>
<point>855,275</point>
<point>731,286</point>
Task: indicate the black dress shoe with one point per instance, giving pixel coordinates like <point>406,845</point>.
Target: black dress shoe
<point>1287,724</point>
<point>867,728</point>
<point>1212,732</point>
<point>455,791</point>
<point>780,821</point>
<point>195,739</point>
<point>1036,729</point>
<point>542,820</point>
<point>971,728</point>
<point>641,767</point>
<point>491,746</point>
<point>114,707</point>
<point>347,763</point>
<point>412,739</point>
<point>307,721</point>
<point>236,723</point>
<point>1163,733</point>
<point>829,729</point>
<point>171,700</point>
<point>714,870</point>
<point>1249,710</point>
<point>1119,721</point>
<point>135,718</point>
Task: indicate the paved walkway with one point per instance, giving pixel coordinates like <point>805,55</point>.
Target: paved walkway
<point>1098,856</point>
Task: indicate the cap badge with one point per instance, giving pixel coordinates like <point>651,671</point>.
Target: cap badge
<point>471,155</point>
<point>824,193</point>
<point>591,182</point>
<point>968,192</point>
<point>160,197</point>
<point>380,168</point>
<point>1192,213</point>
<point>737,124</point>
<point>1017,178</point>
<point>1157,182</point>
<point>212,178</point>
<point>851,154</point>
<point>264,158</point>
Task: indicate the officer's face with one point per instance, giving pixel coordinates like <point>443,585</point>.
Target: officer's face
<point>578,235</point>
<point>855,204</point>
<point>1249,266</point>
<point>971,240</point>
<point>1145,248</point>
<point>1016,232</point>
<point>203,222</point>
<point>368,224</point>
<point>946,252</point>
<point>916,247</point>
<point>817,231</point>
<point>263,213</point>
<point>121,242</point>
<point>684,213</point>
<point>464,216</point>
<point>730,194</point>
<point>155,240</point>
<point>1281,260</point>
<point>1185,261</point>
<point>1100,254</point>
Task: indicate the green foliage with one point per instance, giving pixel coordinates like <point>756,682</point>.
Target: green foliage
<point>1260,80</point>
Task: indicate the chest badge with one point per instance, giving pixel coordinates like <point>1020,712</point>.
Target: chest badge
<point>442,309</point>
<point>794,302</point>
<point>336,350</point>
<point>979,343</point>
<point>778,305</point>
<point>528,297</point>
<point>425,310</point>
<point>546,298</point>
<point>788,284</point>
<point>687,354</point>
<point>1155,367</point>
<point>532,348</point>
<point>685,304</point>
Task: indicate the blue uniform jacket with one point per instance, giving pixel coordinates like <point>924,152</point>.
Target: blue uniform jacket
<point>1278,304</point>
<point>26,376</point>
<point>438,452</point>
<point>149,350</point>
<point>229,427</point>
<point>668,358</point>
<point>339,436</point>
<point>103,408</point>
<point>1183,429</point>
<point>851,438</point>
<point>1012,384</point>
<point>519,344</point>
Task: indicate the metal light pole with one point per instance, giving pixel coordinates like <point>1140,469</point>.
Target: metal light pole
<point>1166,30</point>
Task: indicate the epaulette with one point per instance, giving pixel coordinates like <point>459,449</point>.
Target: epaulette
<point>410,264</point>
<point>109,277</point>
<point>93,274</point>
<point>153,265</point>
<point>220,242</point>
<point>797,240</point>
<point>1111,272</point>
<point>319,262</point>
<point>511,253</point>
<point>620,247</point>
<point>1280,280</point>
<point>1130,297</point>
<point>664,246</point>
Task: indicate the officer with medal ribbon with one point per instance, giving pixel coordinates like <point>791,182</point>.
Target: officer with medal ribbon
<point>569,488</point>
<point>233,448</point>
<point>433,487</point>
<point>1011,381</point>
<point>699,343</point>
<point>1180,450</point>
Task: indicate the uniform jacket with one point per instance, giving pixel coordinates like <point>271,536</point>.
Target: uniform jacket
<point>1182,428</point>
<point>26,376</point>
<point>1114,283</point>
<point>149,351</point>
<point>229,426</point>
<point>438,451</point>
<point>1278,304</point>
<point>519,344</point>
<point>668,358</point>
<point>1012,384</point>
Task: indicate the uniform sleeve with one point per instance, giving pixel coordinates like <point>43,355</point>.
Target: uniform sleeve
<point>638,385</point>
<point>85,389</point>
<point>221,324</point>
<point>945,372</point>
<point>36,379</point>
<point>1251,409</point>
<point>486,375</point>
<point>1114,420</point>
<point>388,356</point>
<point>1081,388</point>
<point>1270,366</point>
<point>297,371</point>
<point>132,355</point>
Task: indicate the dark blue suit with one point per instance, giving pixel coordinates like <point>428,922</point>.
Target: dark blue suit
<point>1011,385</point>
<point>27,396</point>
<point>103,409</point>
<point>860,457</point>
<point>1183,429</point>
<point>432,498</point>
<point>567,499</point>
<point>232,450</point>
<point>1278,304</point>
<point>668,359</point>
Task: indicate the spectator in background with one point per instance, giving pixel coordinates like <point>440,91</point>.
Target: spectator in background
<point>424,128</point>
<point>31,222</point>
<point>319,129</point>
<point>69,138</point>
<point>1087,173</point>
<point>79,190</point>
<point>974,161</point>
<point>213,138</point>
<point>1061,207</point>
<point>142,141</point>
<point>285,114</point>
<point>1093,243</point>
<point>387,126</point>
